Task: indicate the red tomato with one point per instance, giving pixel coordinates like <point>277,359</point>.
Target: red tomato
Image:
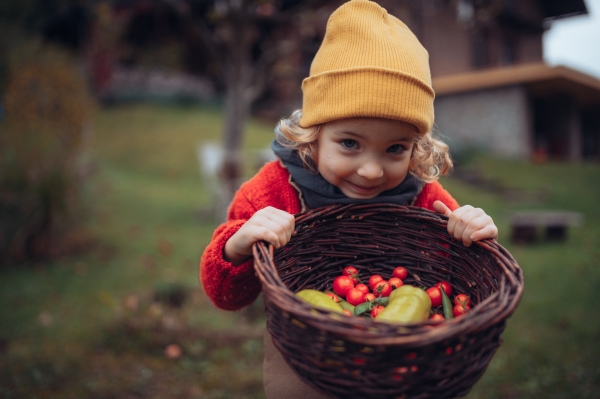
<point>342,284</point>
<point>437,317</point>
<point>370,296</point>
<point>374,280</point>
<point>363,288</point>
<point>351,272</point>
<point>395,282</point>
<point>462,299</point>
<point>376,310</point>
<point>400,273</point>
<point>355,297</point>
<point>347,312</point>
<point>435,295</point>
<point>382,288</point>
<point>459,310</point>
<point>333,296</point>
<point>447,287</point>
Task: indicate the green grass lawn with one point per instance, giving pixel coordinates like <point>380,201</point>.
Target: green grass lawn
<point>100,324</point>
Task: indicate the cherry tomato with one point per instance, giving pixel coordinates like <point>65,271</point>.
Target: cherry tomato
<point>374,280</point>
<point>400,273</point>
<point>370,296</point>
<point>459,310</point>
<point>351,272</point>
<point>382,288</point>
<point>435,295</point>
<point>333,296</point>
<point>355,297</point>
<point>363,288</point>
<point>447,287</point>
<point>462,299</point>
<point>437,317</point>
<point>376,310</point>
<point>395,282</point>
<point>347,312</point>
<point>342,284</point>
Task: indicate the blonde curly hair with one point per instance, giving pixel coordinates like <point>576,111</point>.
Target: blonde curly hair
<point>430,156</point>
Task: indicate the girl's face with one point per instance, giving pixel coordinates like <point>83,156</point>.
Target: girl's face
<point>364,157</point>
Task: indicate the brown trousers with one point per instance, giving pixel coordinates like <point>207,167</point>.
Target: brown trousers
<point>280,381</point>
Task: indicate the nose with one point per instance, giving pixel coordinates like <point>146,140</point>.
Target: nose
<point>371,169</point>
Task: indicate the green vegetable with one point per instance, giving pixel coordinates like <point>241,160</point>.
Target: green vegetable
<point>366,307</point>
<point>407,305</point>
<point>320,300</point>
<point>447,305</point>
<point>347,306</point>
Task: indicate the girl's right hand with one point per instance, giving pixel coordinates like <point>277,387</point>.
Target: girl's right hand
<point>268,224</point>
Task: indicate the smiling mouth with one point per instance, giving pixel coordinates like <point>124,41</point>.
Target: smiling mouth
<point>363,189</point>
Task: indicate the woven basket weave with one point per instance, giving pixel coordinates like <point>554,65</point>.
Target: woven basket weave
<point>354,357</point>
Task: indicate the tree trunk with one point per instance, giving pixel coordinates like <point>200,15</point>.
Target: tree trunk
<point>237,109</point>
<point>238,99</point>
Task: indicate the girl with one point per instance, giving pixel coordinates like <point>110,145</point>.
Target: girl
<point>363,135</point>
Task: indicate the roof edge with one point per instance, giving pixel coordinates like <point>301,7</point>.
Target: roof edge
<point>509,76</point>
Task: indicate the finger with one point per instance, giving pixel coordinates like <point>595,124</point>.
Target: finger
<point>440,207</point>
<point>489,231</point>
<point>282,223</point>
<point>456,224</point>
<point>267,234</point>
<point>479,222</point>
<point>279,215</point>
<point>466,237</point>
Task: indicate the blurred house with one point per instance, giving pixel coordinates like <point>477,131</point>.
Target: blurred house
<point>529,110</point>
<point>493,90</point>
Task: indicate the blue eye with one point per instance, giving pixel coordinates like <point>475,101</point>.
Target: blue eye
<point>349,143</point>
<point>396,149</point>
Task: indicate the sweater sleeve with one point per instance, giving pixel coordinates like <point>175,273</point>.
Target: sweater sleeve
<point>433,192</point>
<point>228,286</point>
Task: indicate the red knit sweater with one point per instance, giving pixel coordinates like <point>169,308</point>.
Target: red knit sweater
<point>233,287</point>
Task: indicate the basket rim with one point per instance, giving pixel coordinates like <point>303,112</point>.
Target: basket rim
<point>353,328</point>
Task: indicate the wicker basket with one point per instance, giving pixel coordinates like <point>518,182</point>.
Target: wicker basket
<point>353,357</point>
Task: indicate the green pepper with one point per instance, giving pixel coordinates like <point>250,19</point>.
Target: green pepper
<point>347,306</point>
<point>447,305</point>
<point>407,304</point>
<point>366,307</point>
<point>320,300</point>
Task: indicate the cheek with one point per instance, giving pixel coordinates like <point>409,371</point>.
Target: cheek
<point>332,167</point>
<point>399,172</point>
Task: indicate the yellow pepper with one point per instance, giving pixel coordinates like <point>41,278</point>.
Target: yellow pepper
<point>407,305</point>
<point>319,299</point>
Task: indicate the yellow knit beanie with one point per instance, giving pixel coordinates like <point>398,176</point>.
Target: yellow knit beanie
<point>369,65</point>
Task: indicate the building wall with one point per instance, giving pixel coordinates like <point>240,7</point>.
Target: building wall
<point>505,33</point>
<point>448,44</point>
<point>497,120</point>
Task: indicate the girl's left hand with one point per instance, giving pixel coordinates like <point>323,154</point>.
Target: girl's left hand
<point>467,223</point>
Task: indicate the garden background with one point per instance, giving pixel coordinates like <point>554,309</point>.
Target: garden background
<point>114,308</point>
<point>128,317</point>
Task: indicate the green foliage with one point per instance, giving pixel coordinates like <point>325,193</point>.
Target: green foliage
<point>99,324</point>
<point>41,148</point>
<point>549,345</point>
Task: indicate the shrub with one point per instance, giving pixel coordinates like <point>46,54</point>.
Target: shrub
<point>42,142</point>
